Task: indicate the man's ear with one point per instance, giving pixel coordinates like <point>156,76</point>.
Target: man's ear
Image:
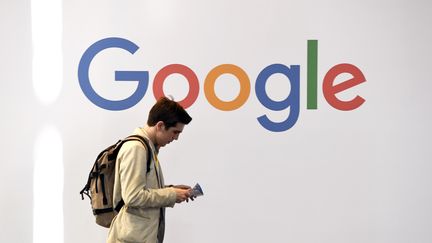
<point>160,125</point>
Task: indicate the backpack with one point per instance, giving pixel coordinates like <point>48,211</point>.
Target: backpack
<point>100,182</point>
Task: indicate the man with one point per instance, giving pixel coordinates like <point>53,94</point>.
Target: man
<point>141,219</point>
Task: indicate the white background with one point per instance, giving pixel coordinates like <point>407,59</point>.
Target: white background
<point>357,176</point>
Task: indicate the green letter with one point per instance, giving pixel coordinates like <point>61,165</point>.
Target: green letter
<point>312,73</point>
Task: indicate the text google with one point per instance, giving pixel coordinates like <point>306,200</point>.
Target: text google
<point>292,72</point>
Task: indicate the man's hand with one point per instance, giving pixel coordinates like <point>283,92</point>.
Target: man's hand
<point>182,187</point>
<point>182,194</point>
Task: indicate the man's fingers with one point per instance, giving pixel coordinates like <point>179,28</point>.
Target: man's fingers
<point>182,186</point>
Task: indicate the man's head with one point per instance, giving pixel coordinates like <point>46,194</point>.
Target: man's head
<point>168,119</point>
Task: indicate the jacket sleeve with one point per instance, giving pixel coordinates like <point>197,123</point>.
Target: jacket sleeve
<point>133,177</point>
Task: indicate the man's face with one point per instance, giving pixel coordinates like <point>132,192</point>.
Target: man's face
<point>166,136</point>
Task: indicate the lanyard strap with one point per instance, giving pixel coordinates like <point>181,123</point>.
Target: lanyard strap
<point>156,165</point>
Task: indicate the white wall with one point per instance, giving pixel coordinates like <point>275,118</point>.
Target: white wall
<point>336,176</point>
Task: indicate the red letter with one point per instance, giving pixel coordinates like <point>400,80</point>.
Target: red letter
<point>187,73</point>
<point>330,90</point>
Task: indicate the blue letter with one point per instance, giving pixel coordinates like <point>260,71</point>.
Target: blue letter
<point>292,101</point>
<point>83,75</point>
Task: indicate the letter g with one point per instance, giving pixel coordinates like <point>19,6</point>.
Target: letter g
<point>83,75</point>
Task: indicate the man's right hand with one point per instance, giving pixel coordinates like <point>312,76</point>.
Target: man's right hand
<point>182,194</point>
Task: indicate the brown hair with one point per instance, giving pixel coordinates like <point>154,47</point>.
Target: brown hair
<point>169,112</point>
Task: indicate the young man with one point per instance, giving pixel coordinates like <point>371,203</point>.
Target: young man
<point>141,219</point>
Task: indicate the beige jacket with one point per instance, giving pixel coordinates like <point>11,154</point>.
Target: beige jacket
<point>144,195</point>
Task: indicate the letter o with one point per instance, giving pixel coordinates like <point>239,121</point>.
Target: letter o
<point>210,81</point>
<point>187,73</point>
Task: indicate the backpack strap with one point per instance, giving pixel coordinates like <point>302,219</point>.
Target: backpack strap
<point>149,155</point>
<point>146,145</point>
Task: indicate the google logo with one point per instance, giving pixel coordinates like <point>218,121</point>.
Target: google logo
<point>292,72</point>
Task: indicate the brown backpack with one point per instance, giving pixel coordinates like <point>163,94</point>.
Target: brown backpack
<point>100,182</point>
